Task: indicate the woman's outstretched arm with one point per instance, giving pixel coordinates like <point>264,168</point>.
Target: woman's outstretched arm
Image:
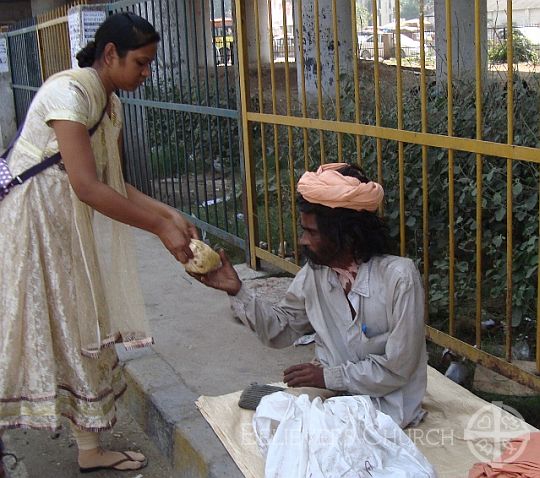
<point>78,158</point>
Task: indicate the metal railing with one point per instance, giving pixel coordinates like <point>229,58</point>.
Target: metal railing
<point>181,127</point>
<point>38,48</point>
<point>53,40</point>
<point>25,64</point>
<point>279,46</point>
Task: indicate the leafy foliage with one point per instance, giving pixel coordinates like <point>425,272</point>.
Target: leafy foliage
<point>524,177</point>
<point>411,8</point>
<point>523,50</point>
<point>363,17</point>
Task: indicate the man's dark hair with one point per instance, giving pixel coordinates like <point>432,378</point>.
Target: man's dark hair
<point>363,232</point>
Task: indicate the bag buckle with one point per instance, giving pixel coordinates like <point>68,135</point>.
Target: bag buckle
<point>18,179</point>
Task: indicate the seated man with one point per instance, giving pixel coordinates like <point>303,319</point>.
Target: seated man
<point>365,305</point>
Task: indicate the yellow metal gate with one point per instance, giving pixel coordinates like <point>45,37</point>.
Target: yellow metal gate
<point>453,156</point>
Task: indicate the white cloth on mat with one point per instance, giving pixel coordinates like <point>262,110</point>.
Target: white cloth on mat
<point>342,437</point>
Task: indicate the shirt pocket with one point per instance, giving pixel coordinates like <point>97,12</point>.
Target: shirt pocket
<point>373,345</point>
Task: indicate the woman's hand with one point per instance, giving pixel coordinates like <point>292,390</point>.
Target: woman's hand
<point>225,278</point>
<point>183,224</point>
<point>173,229</point>
<point>176,235</point>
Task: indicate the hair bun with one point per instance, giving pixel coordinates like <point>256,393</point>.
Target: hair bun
<point>87,55</point>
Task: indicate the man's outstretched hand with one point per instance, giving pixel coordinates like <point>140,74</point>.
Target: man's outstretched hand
<point>224,278</point>
<point>304,375</point>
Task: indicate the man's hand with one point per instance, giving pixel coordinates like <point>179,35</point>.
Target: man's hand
<point>304,375</point>
<point>225,278</point>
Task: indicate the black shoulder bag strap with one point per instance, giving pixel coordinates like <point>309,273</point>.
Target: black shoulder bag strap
<point>47,162</point>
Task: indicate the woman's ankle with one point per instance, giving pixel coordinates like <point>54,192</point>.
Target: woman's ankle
<point>90,455</point>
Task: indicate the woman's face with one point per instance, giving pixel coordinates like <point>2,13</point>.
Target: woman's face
<point>132,70</point>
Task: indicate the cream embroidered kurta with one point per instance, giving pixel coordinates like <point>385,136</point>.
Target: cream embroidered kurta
<point>380,352</point>
<point>66,295</point>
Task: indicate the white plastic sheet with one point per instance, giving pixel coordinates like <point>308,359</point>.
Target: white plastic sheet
<point>342,437</point>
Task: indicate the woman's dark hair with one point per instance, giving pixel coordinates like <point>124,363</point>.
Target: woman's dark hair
<point>126,30</point>
<point>364,233</point>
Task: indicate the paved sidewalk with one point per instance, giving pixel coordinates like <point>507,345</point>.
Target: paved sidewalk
<point>200,349</point>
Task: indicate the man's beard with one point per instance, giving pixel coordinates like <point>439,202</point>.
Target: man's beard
<point>316,260</point>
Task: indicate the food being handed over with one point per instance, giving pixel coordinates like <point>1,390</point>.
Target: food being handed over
<point>205,259</point>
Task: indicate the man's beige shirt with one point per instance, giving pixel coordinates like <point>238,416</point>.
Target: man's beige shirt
<point>380,352</point>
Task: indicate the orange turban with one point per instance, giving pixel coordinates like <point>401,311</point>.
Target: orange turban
<point>330,188</point>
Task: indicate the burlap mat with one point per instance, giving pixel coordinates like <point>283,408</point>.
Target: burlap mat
<point>459,430</point>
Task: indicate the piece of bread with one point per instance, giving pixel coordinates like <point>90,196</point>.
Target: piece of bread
<point>205,259</point>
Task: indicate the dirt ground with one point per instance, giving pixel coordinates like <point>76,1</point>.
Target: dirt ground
<point>46,454</point>
<point>387,80</point>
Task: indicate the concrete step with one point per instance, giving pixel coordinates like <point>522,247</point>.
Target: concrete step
<point>164,407</point>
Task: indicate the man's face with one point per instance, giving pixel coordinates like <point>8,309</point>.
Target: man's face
<point>315,246</point>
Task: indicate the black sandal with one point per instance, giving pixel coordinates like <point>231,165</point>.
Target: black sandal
<point>114,466</point>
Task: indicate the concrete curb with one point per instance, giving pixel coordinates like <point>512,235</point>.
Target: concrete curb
<point>165,409</point>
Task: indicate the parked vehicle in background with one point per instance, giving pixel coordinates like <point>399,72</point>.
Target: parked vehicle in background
<point>366,46</point>
<point>223,36</point>
<point>386,46</point>
<point>409,47</point>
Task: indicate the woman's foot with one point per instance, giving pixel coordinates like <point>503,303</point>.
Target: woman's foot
<point>99,459</point>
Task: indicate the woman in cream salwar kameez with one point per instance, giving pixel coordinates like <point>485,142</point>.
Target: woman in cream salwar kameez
<point>69,282</point>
